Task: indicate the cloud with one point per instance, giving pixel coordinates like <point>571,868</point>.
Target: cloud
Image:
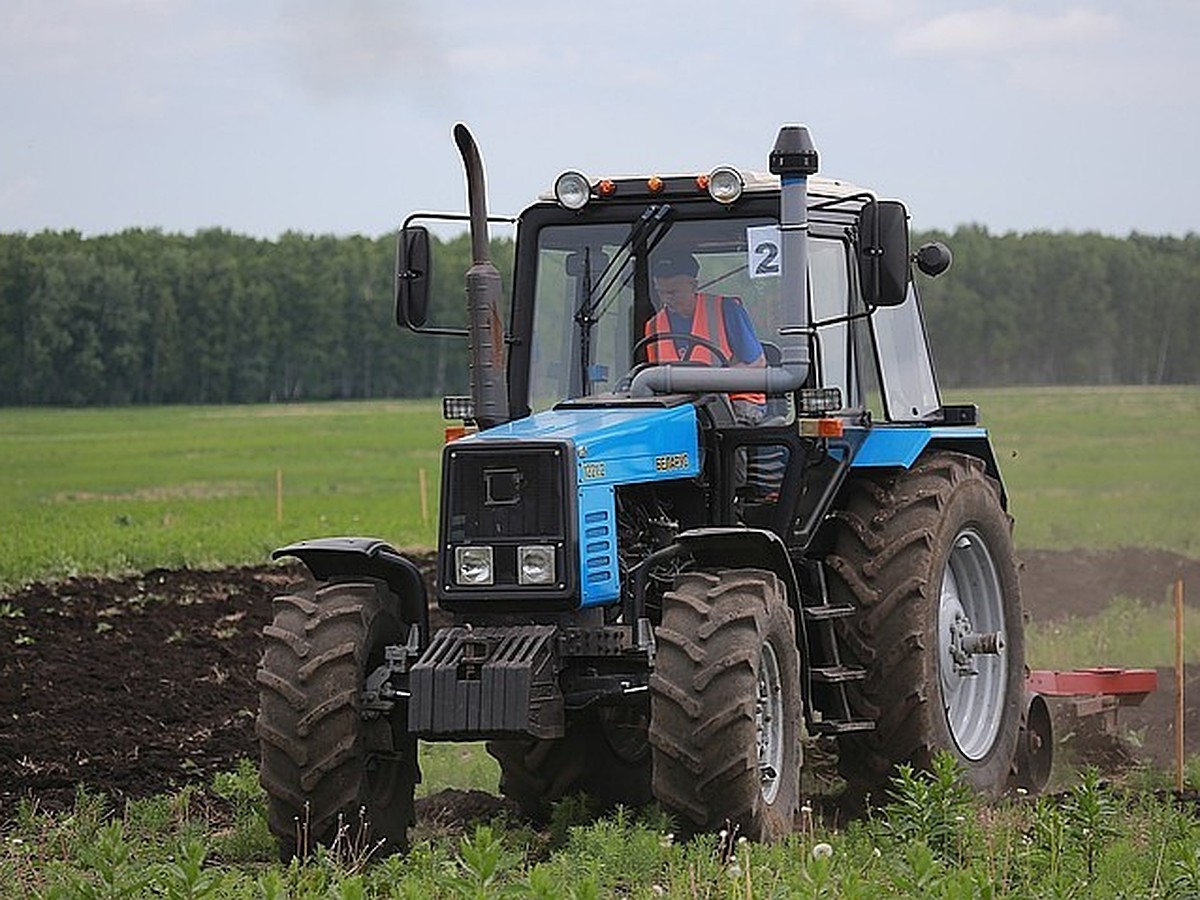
<point>351,47</point>
<point>1000,30</point>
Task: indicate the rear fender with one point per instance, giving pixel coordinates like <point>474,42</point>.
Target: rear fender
<point>898,447</point>
<point>334,558</point>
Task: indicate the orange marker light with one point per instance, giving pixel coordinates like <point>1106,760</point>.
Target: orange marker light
<point>702,182</point>
<point>655,184</point>
<point>607,187</point>
<point>826,428</point>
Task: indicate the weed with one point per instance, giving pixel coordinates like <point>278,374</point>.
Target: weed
<point>935,808</point>
<point>184,876</point>
<point>1091,817</point>
<point>483,865</point>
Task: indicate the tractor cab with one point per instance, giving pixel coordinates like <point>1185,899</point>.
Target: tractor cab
<point>584,300</point>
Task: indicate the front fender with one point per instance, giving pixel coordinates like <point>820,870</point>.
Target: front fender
<point>744,548</point>
<point>347,557</point>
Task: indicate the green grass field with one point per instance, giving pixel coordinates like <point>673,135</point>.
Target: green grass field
<point>95,491</point>
<point>110,490</point>
<point>1098,468</point>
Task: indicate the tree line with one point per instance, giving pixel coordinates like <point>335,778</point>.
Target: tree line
<point>143,317</point>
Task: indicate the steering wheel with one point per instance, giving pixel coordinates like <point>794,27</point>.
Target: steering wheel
<point>692,340</point>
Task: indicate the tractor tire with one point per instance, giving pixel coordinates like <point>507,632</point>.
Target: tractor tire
<point>926,558</point>
<point>331,775</point>
<point>604,755</point>
<point>725,705</point>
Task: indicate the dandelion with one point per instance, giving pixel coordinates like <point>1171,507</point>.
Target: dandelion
<point>878,853</point>
<point>734,871</point>
<point>741,840</point>
<point>658,890</point>
<point>1021,792</point>
<point>666,840</point>
<point>823,851</point>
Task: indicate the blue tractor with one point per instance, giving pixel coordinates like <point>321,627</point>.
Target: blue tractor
<point>654,596</point>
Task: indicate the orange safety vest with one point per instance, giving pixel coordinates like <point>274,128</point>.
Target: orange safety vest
<point>708,310</point>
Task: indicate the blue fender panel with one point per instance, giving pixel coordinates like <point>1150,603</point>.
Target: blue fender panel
<point>899,446</point>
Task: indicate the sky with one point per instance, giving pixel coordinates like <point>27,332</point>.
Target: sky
<point>335,116</point>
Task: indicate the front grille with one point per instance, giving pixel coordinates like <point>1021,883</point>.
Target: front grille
<point>506,495</point>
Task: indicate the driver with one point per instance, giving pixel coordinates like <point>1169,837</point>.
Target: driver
<point>720,320</point>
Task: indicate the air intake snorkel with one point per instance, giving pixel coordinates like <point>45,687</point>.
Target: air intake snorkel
<point>793,159</point>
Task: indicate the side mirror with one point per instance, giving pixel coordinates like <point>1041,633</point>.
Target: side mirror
<point>883,252</point>
<point>934,258</point>
<point>412,276</point>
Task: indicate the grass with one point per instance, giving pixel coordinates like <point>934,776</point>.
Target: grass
<point>105,491</point>
<point>1125,633</point>
<point>1099,468</point>
<point>935,839</point>
<point>111,490</point>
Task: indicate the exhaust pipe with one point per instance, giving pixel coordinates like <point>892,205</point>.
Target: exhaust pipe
<point>489,387</point>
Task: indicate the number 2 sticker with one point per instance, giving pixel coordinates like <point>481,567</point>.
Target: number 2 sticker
<point>762,247</point>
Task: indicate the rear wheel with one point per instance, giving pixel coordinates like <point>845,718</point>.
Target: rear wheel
<point>330,773</point>
<point>926,557</point>
<point>725,705</point>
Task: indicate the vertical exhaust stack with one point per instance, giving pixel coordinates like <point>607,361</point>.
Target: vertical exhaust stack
<point>489,387</point>
<point>793,159</point>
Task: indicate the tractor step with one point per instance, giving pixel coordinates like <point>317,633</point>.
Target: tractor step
<point>837,674</point>
<point>827,611</point>
<point>842,727</point>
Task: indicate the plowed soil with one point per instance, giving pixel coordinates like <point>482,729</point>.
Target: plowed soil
<point>137,686</point>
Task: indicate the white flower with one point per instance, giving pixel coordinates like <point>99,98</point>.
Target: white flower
<point>822,851</point>
<point>735,871</point>
<point>658,890</point>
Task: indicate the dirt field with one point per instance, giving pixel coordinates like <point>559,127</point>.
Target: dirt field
<point>137,686</point>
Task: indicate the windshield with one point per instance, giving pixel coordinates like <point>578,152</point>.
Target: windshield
<point>596,290</point>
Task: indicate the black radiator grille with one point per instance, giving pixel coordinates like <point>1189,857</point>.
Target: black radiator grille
<point>510,494</point>
<point>507,495</point>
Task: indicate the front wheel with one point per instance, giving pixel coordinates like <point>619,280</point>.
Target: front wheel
<point>330,772</point>
<point>926,558</point>
<point>604,754</point>
<point>725,707</point>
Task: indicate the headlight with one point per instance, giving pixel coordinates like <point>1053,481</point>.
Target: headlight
<point>535,564</point>
<point>572,190</point>
<point>473,565</point>
<point>725,184</point>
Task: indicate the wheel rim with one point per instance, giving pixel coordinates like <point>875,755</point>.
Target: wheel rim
<point>972,658</point>
<point>768,723</point>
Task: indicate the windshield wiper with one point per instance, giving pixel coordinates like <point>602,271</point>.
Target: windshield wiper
<point>650,228</point>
